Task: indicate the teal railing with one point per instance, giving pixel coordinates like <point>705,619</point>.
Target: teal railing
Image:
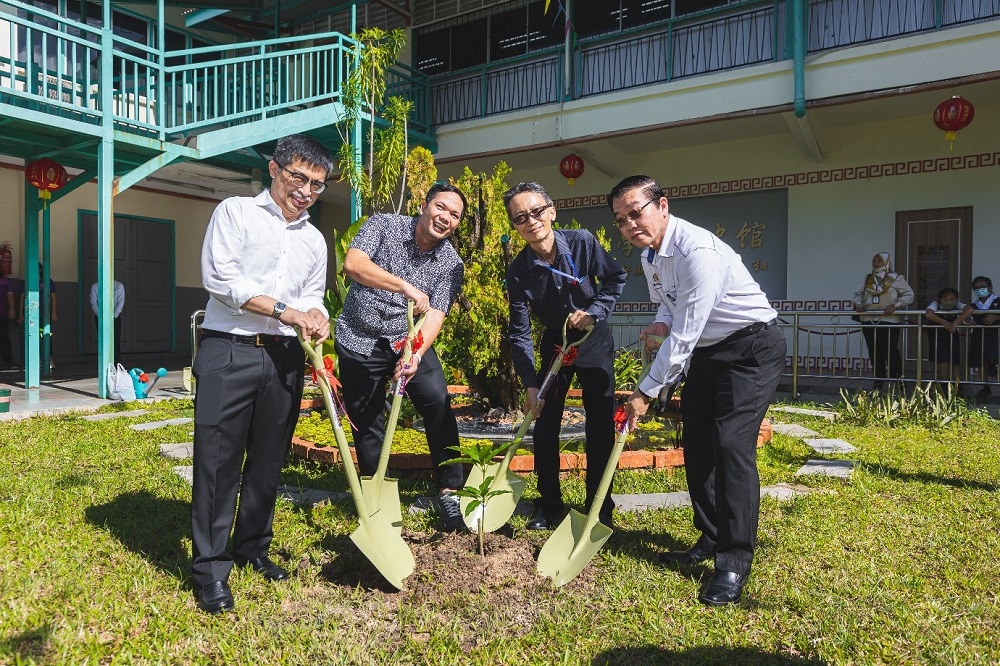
<point>52,64</point>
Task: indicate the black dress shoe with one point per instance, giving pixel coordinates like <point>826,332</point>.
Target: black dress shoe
<point>265,567</point>
<point>543,519</point>
<point>215,597</point>
<point>726,587</point>
<point>690,556</point>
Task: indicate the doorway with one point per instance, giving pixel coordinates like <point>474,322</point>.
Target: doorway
<point>143,250</point>
<point>933,251</point>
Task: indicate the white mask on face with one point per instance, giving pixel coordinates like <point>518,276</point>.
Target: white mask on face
<point>879,272</point>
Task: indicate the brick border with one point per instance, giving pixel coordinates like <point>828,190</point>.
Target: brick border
<point>568,462</point>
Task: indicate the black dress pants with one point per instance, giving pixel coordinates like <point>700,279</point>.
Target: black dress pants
<point>365,381</point>
<point>6,351</point>
<point>594,368</point>
<point>725,396</point>
<point>882,340</point>
<point>245,411</point>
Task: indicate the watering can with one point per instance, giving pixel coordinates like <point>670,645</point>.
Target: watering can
<point>143,383</point>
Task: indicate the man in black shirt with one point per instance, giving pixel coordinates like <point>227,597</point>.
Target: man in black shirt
<point>560,274</point>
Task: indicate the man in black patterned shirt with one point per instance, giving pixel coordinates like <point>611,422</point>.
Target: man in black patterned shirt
<point>392,259</point>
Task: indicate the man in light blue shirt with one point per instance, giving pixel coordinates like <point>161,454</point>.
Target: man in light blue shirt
<point>119,306</point>
<point>721,338</point>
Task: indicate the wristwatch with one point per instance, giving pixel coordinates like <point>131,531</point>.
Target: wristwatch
<point>649,399</point>
<point>279,309</point>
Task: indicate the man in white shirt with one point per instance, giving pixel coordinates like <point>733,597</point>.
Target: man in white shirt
<point>119,306</point>
<point>264,267</point>
<point>720,330</point>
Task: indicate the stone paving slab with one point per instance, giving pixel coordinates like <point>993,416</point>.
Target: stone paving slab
<point>186,472</point>
<point>309,496</point>
<point>821,413</point>
<point>114,415</point>
<point>786,491</point>
<point>830,445</point>
<point>793,430</point>
<point>179,451</point>
<point>652,501</point>
<point>153,425</point>
<point>841,469</point>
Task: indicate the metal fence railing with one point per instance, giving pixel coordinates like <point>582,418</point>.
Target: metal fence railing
<point>829,347</point>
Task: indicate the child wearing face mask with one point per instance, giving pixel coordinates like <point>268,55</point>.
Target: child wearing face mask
<point>983,350</point>
<point>943,349</point>
<point>884,291</point>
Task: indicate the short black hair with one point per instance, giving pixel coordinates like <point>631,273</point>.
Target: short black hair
<point>948,291</point>
<point>521,188</point>
<point>982,278</point>
<point>649,186</point>
<point>437,188</point>
<point>305,149</point>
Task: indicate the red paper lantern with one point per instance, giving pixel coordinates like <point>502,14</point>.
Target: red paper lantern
<point>47,175</point>
<point>571,167</point>
<point>952,115</point>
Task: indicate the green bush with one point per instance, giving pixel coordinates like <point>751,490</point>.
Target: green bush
<point>928,406</point>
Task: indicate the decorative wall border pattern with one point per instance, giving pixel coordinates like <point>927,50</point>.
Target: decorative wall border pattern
<point>933,165</point>
<point>643,307</point>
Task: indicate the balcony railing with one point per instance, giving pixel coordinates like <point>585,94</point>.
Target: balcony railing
<point>52,64</point>
<point>739,35</point>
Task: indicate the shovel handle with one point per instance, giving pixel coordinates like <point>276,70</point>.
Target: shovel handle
<point>338,431</point>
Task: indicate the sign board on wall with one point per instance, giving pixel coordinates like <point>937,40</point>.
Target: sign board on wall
<point>755,224</point>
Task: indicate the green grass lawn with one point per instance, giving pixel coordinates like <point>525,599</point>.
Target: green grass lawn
<point>896,566</point>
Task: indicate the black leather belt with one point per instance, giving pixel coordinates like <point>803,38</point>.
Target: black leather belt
<point>259,340</point>
<point>755,327</point>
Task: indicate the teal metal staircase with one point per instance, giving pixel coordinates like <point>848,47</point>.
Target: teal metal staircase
<point>119,111</point>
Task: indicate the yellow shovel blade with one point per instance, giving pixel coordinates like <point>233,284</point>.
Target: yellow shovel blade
<point>571,547</point>
<point>499,508</point>
<point>386,501</point>
<point>379,541</point>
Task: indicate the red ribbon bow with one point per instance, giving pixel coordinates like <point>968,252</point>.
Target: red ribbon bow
<point>621,419</point>
<point>327,372</point>
<point>415,345</point>
<point>144,378</point>
<point>569,355</point>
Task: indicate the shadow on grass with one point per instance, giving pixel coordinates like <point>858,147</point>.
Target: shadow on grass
<point>151,526</point>
<point>923,477</point>
<point>636,656</point>
<point>351,569</point>
<point>28,645</point>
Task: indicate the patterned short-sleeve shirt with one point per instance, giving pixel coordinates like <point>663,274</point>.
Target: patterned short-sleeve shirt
<point>370,313</point>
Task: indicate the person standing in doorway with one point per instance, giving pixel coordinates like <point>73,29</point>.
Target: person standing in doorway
<point>560,274</point>
<point>264,267</point>
<point>720,328</point>
<point>119,306</point>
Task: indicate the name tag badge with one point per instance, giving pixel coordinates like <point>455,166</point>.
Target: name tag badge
<point>875,300</point>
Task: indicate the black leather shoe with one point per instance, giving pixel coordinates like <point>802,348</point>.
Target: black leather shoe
<point>265,567</point>
<point>543,519</point>
<point>690,556</point>
<point>215,598</point>
<point>726,587</point>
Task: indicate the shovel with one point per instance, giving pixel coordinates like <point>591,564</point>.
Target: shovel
<point>579,537</point>
<point>500,508</point>
<point>380,493</point>
<point>375,537</point>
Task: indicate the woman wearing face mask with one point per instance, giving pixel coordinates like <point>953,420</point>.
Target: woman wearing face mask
<point>983,346</point>
<point>883,292</point>
<point>943,348</point>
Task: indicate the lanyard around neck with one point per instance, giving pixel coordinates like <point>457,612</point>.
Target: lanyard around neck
<point>573,278</point>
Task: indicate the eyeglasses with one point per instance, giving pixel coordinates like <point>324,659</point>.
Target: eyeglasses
<point>300,180</point>
<point>535,213</point>
<point>634,215</point>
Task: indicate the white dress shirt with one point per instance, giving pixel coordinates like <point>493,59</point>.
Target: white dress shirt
<point>704,293</point>
<point>250,250</point>
<point>119,298</point>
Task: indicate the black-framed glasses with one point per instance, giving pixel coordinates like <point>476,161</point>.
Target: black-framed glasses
<point>535,213</point>
<point>301,179</point>
<point>634,215</point>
